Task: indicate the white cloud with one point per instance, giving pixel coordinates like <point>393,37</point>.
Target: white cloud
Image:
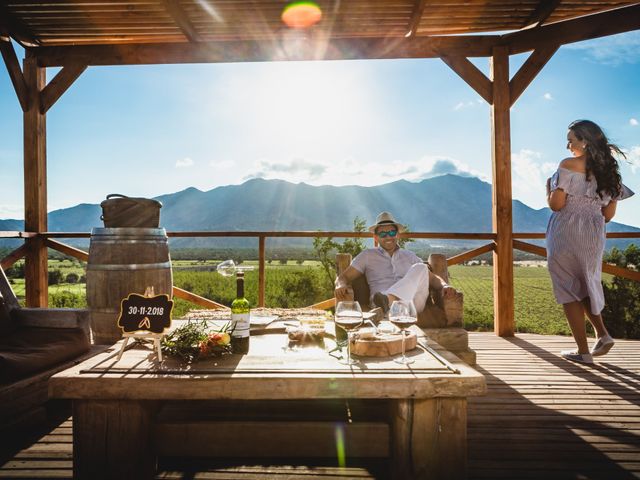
<point>184,163</point>
<point>14,211</point>
<point>297,169</point>
<point>428,167</point>
<point>548,96</point>
<point>633,158</point>
<point>350,171</point>
<point>468,104</point>
<point>529,175</point>
<point>633,122</point>
<point>613,50</point>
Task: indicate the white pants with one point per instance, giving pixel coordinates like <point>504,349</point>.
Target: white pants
<point>414,286</point>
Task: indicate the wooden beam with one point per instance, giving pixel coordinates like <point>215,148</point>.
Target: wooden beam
<point>16,234</point>
<point>606,267</point>
<point>15,73</point>
<point>528,71</point>
<point>463,257</point>
<point>530,248</point>
<point>416,16</point>
<point>543,11</point>
<point>266,50</point>
<point>503,302</point>
<point>13,257</point>
<point>197,299</point>
<point>621,20</point>
<point>472,75</point>
<point>35,187</point>
<point>68,250</point>
<point>12,26</point>
<point>621,272</point>
<point>182,20</point>
<point>324,305</point>
<point>58,85</point>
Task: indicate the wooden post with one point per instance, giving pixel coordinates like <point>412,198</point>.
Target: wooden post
<point>261,270</point>
<point>501,203</point>
<point>35,186</point>
<point>429,438</point>
<point>113,439</point>
<point>343,260</point>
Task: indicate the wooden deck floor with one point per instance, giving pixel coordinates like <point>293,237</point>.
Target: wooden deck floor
<point>543,417</point>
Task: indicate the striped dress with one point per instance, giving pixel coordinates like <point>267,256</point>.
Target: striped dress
<point>575,239</point>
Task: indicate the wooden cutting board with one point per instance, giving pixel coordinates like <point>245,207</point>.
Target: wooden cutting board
<point>383,345</point>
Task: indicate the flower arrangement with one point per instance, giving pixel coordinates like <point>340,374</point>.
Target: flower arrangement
<point>195,340</point>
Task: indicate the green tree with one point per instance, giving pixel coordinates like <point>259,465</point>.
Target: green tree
<point>622,296</point>
<point>326,248</point>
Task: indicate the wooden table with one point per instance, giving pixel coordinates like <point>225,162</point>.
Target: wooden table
<point>115,403</point>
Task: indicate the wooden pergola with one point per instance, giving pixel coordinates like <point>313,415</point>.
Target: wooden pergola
<point>75,34</point>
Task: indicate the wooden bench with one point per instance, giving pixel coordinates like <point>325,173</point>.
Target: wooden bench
<point>35,343</point>
<point>441,318</point>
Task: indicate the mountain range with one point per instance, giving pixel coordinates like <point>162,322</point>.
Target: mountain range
<point>448,203</point>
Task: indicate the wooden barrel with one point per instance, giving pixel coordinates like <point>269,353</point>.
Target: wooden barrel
<point>123,261</point>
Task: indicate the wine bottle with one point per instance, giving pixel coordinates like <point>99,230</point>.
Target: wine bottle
<point>240,318</point>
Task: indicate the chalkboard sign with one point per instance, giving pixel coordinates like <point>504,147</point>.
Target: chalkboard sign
<point>145,313</point>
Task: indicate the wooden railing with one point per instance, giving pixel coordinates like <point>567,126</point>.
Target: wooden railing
<point>518,244</point>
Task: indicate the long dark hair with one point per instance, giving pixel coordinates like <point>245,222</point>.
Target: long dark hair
<point>599,155</point>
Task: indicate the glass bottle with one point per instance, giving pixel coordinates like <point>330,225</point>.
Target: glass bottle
<point>240,313</point>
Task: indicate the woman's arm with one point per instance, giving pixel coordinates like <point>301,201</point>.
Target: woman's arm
<point>610,210</point>
<point>556,199</point>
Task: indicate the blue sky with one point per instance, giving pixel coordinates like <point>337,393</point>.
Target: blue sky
<point>150,130</point>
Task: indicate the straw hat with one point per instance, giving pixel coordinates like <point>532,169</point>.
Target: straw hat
<point>385,218</point>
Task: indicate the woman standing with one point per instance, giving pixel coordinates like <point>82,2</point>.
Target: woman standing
<point>583,194</point>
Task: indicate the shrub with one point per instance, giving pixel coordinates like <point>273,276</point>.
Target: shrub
<point>67,300</point>
<point>622,296</point>
<point>299,289</point>
<point>72,278</point>
<point>55,277</point>
<point>17,271</point>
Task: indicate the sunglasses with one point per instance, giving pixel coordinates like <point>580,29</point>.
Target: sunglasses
<point>390,233</point>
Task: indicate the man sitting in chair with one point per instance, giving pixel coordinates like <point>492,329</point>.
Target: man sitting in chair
<point>392,273</point>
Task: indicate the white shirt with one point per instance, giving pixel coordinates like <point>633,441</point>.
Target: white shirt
<point>383,270</point>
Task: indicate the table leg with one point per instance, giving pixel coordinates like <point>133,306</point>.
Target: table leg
<point>429,438</point>
<point>112,439</point>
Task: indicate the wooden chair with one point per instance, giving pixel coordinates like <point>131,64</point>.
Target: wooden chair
<point>35,343</point>
<point>441,318</point>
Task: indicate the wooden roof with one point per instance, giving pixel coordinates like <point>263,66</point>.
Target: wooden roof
<point>228,30</point>
<point>69,22</point>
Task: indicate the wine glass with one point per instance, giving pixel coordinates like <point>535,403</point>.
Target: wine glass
<point>228,268</point>
<point>348,317</point>
<point>403,314</point>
